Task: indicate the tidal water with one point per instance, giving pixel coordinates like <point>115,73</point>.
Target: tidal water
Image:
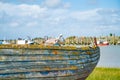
<point>109,56</point>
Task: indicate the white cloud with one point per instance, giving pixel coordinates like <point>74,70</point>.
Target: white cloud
<point>14,24</point>
<point>55,4</point>
<point>22,9</point>
<point>45,21</point>
<point>31,24</point>
<point>67,5</point>
<point>86,15</point>
<point>52,3</point>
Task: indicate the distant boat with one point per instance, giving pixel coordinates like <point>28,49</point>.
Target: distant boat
<point>30,42</point>
<point>54,41</point>
<point>118,43</point>
<point>102,43</point>
<point>5,42</point>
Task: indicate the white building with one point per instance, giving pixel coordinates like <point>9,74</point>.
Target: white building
<point>24,42</point>
<point>21,41</point>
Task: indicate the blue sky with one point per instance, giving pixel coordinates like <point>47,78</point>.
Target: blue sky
<point>38,18</point>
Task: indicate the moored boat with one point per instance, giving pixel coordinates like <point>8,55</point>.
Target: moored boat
<point>41,62</point>
<point>102,43</point>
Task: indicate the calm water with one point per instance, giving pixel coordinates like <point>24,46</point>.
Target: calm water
<point>110,56</point>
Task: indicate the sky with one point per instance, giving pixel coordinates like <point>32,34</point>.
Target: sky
<point>39,18</point>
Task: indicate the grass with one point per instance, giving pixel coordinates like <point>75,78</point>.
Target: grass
<point>105,74</point>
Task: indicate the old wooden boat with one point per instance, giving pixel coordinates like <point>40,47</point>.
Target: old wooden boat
<point>39,62</point>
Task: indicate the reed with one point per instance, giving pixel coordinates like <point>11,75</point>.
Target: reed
<point>101,73</point>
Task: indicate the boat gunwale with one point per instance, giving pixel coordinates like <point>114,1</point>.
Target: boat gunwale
<point>44,47</point>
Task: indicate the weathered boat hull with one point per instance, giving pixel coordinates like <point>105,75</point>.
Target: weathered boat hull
<point>48,64</point>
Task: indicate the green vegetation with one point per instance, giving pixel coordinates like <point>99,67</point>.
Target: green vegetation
<point>105,74</point>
